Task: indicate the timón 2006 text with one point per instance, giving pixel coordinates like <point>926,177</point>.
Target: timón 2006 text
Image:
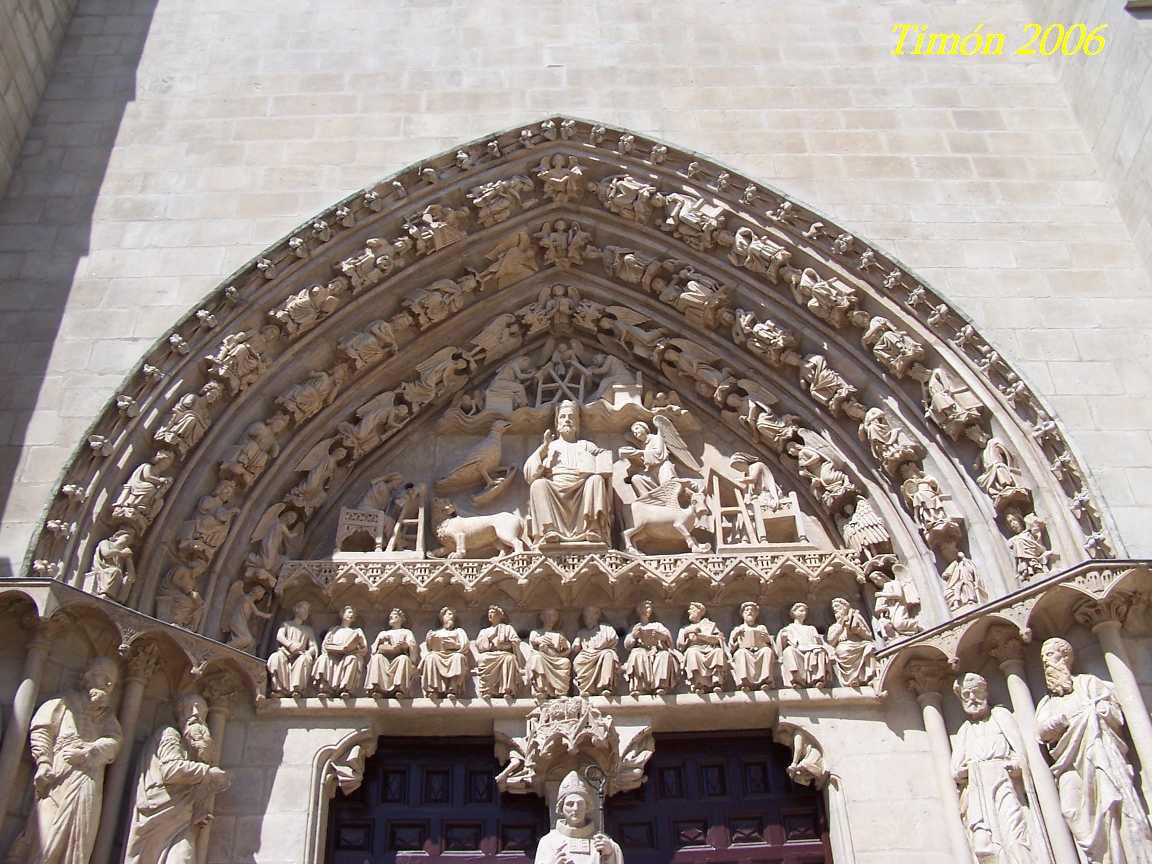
<point>1075,39</point>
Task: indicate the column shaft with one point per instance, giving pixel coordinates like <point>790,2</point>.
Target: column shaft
<point>23,706</point>
<point>930,702</point>
<point>1059,837</point>
<point>217,721</point>
<point>117,776</point>
<point>1130,698</point>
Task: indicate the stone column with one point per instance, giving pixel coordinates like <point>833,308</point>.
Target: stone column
<point>1005,646</point>
<point>839,825</point>
<point>219,692</point>
<point>23,707</point>
<point>141,664</point>
<point>1106,618</point>
<point>927,679</point>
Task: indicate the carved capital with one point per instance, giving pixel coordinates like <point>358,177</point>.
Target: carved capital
<point>1004,644</point>
<point>1113,608</point>
<point>220,690</point>
<point>141,661</point>
<point>924,677</point>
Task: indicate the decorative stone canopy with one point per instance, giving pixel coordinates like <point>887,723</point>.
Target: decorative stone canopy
<point>355,341</point>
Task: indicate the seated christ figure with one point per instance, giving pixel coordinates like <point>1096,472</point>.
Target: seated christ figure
<point>568,484</point>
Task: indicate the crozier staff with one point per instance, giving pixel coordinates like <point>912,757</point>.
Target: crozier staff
<point>574,839</point>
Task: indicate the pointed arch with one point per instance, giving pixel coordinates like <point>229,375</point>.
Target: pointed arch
<point>750,305</point>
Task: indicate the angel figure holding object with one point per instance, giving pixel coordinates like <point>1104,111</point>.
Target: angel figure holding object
<point>650,462</point>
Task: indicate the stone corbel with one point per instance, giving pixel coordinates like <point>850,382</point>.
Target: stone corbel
<point>807,768</point>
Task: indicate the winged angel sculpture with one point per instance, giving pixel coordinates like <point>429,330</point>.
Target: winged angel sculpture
<point>667,506</point>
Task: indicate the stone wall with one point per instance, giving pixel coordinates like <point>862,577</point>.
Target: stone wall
<point>175,141</point>
<point>32,33</point>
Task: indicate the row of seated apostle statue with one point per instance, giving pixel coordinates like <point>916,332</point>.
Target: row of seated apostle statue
<point>549,664</point>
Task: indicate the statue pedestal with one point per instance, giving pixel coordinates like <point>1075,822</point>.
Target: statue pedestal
<point>571,547</point>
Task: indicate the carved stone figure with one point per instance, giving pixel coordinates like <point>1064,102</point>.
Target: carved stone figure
<point>826,385</point>
<point>319,467</point>
<point>756,481</point>
<point>498,671</point>
<point>274,532</point>
<point>962,584</point>
<point>561,178</point>
<point>595,660</point>
<point>865,532</point>
<point>513,258</point>
<point>953,407</point>
<point>890,445</point>
<point>549,667</point>
<point>369,266</point>
<point>924,497</point>
<point>202,535</point>
<point>853,651</point>
<point>803,652</point>
<point>999,477</point>
<point>178,600</point>
<point>436,227</point>
<point>988,764</point>
<point>1033,557</point>
<point>290,664</point>
<point>440,300</point>
<point>176,782</point>
<point>613,372</point>
<point>652,460</point>
<point>699,298</point>
<point>240,606</point>
<point>705,654</point>
<point>462,536</point>
<point>113,574</point>
<point>308,398</point>
<point>764,338</point>
<point>670,513</point>
<point>72,739</point>
<point>753,651</point>
<point>368,347</point>
<point>692,220</point>
<point>248,461</point>
<point>629,198</point>
<point>308,306</point>
<point>776,431</point>
<point>189,419</point>
<point>393,658</point>
<point>444,660</point>
<point>442,373</point>
<point>376,418</point>
<point>1080,721</point>
<point>829,483</point>
<point>828,299</point>
<point>565,243</point>
<point>893,349</point>
<point>568,477</point>
<point>240,360</point>
<point>479,464</point>
<point>142,497</point>
<point>495,201</point>
<point>339,669</point>
<point>758,254</point>
<point>893,617</point>
<point>653,664</point>
<point>576,838</point>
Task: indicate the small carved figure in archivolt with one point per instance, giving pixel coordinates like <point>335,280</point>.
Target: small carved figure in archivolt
<point>654,664</point>
<point>1033,557</point>
<point>692,220</point>
<point>953,407</point>
<point>376,418</point>
<point>699,298</point>
<point>893,349</point>
<point>393,659</point>
<point>802,650</point>
<point>962,584</point>
<point>595,660</point>
<point>444,662</point>
<point>179,600</point>
<point>275,532</point>
<point>828,299</point>
<point>320,464</point>
<point>853,650</point>
<point>824,470</point>
<point>765,339</point>
<point>561,177</point>
<point>436,227</point>
<point>1000,478</point>
<point>369,266</point>
<point>339,670</point>
<point>628,197</point>
<point>442,299</point>
<point>565,243</point>
<point>893,617</point>
<point>247,461</point>
<point>513,258</point>
<point>776,431</point>
<point>240,606</point>
<point>865,532</point>
<point>613,373</point>
<point>925,498</point>
<point>308,306</point>
<point>442,373</point>
<point>495,201</point>
<point>315,393</point>
<point>142,497</point>
<point>189,419</point>
<point>370,346</point>
<point>240,360</point>
<point>290,663</point>
<point>549,664</point>
<point>498,671</point>
<point>705,652</point>
<point>890,445</point>
<point>829,387</point>
<point>758,254</point>
<point>204,533</point>
<point>753,651</point>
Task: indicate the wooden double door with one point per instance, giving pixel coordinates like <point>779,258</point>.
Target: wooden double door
<point>710,799</point>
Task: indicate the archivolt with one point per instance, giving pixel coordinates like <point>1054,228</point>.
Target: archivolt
<point>752,306</point>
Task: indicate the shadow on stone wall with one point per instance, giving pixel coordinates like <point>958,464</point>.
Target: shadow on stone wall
<point>46,223</point>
